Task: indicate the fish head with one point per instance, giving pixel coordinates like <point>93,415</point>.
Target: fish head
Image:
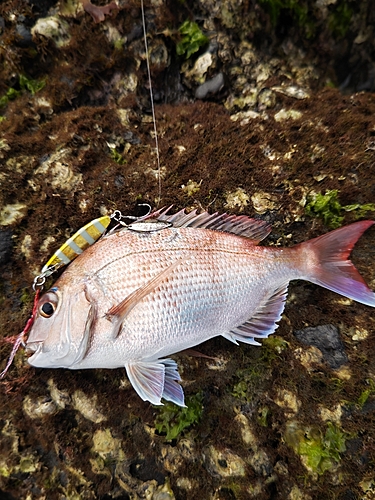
<point>60,334</point>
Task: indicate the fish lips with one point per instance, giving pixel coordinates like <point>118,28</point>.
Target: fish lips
<point>50,358</point>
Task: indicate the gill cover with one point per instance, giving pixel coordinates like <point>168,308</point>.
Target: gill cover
<point>61,332</point>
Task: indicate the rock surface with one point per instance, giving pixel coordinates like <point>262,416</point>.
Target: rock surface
<point>327,339</point>
<point>292,121</point>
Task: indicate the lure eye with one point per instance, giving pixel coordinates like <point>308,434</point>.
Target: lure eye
<point>47,309</point>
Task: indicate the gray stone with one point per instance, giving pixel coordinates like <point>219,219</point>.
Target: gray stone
<point>210,87</point>
<point>6,245</point>
<point>327,339</point>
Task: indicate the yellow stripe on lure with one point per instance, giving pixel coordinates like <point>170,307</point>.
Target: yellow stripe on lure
<point>75,245</point>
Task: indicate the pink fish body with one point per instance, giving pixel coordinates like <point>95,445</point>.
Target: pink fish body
<point>152,289</point>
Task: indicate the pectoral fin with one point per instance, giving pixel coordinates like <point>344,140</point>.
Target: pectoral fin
<point>118,313</point>
<point>153,380</point>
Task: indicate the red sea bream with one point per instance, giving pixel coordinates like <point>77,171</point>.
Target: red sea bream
<point>151,289</point>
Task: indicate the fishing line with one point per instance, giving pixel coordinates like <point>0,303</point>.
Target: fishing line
<point>152,101</point>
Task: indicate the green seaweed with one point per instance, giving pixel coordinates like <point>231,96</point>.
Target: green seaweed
<point>361,210</point>
<point>334,442</point>
<point>298,9</point>
<point>32,86</point>
<point>9,95</point>
<point>26,297</point>
<point>339,19</point>
<point>365,394</point>
<point>117,157</point>
<point>192,39</point>
<point>263,414</point>
<point>240,390</point>
<point>249,377</point>
<point>328,207</point>
<point>26,85</point>
<point>272,347</point>
<point>321,452</point>
<point>173,420</point>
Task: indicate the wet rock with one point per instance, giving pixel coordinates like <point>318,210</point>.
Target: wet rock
<point>244,117</point>
<point>288,400</point>
<point>237,200</point>
<point>261,463</point>
<point>290,114</point>
<point>4,147</point>
<point>297,494</point>
<point>200,68</point>
<point>292,91</point>
<point>12,213</point>
<point>331,415</point>
<point>163,492</point>
<point>309,357</point>
<point>248,435</point>
<point>223,463</point>
<point>105,445</point>
<point>24,34</point>
<point>210,87</point>
<point>266,99</point>
<point>131,138</point>
<point>60,398</point>
<point>87,407</point>
<point>56,172</point>
<point>191,188</point>
<point>146,470</point>
<point>26,246</point>
<point>262,202</point>
<point>39,407</point>
<point>6,245</point>
<point>53,28</point>
<point>327,339</point>
<point>186,483</point>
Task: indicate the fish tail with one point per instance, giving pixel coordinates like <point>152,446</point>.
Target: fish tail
<point>328,263</point>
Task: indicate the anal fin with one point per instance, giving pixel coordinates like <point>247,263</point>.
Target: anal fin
<point>264,322</point>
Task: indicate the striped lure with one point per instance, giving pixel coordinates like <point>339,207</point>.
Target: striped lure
<point>75,245</point>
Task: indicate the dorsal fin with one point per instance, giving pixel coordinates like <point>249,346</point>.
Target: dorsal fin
<point>241,225</point>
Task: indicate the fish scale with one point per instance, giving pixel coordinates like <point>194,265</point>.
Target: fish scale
<point>139,295</point>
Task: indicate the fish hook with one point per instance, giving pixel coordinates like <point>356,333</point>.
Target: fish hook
<point>118,217</point>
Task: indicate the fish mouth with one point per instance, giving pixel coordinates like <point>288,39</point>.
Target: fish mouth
<point>40,358</point>
<point>33,347</point>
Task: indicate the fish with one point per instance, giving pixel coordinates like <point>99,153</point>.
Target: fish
<point>169,282</point>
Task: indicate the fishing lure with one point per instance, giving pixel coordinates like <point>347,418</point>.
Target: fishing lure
<point>74,246</point>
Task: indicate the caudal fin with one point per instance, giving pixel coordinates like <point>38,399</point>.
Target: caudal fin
<point>330,267</point>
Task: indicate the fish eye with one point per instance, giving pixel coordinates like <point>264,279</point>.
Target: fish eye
<point>48,305</point>
<point>47,309</point>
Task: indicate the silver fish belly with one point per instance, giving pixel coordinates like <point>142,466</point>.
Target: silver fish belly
<point>136,297</point>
